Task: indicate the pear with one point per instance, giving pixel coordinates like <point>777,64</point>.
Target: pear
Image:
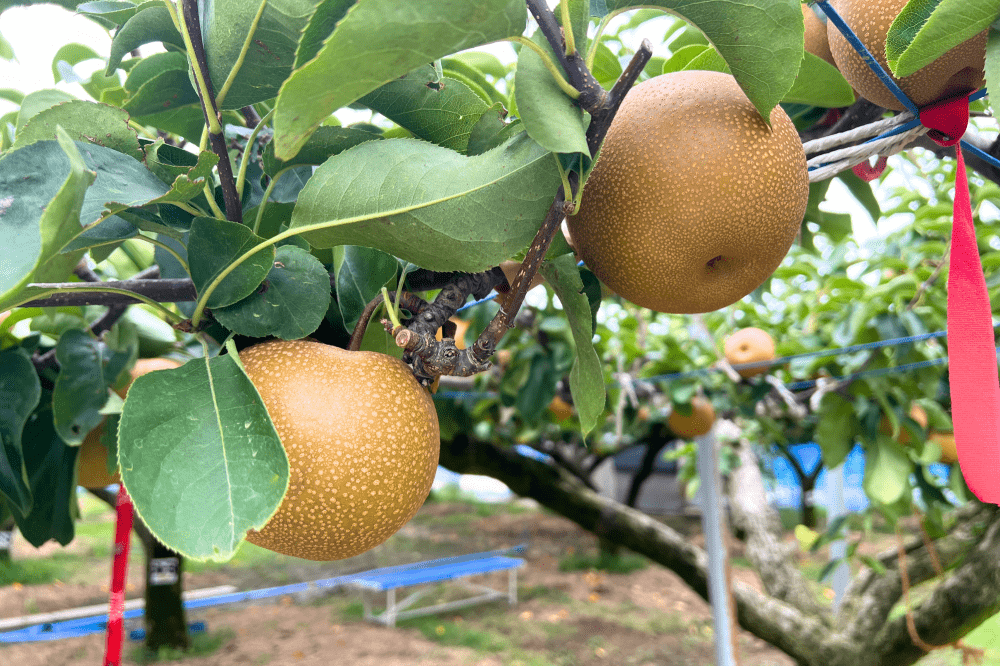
<point>694,199</point>
<point>362,440</point>
<point>959,71</point>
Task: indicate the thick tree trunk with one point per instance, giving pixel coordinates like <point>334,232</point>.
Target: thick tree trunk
<point>166,623</point>
<point>6,539</point>
<point>860,635</point>
<point>165,619</point>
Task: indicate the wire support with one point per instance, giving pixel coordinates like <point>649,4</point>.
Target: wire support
<point>830,164</point>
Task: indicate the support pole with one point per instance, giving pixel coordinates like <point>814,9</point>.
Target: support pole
<point>838,549</point>
<point>715,527</point>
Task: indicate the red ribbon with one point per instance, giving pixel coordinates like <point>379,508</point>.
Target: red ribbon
<point>972,357</point>
<point>119,569</point>
<point>869,172</point>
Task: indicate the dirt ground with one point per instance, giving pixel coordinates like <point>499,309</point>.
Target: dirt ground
<point>574,617</point>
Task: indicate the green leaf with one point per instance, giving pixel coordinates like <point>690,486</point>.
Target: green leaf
<point>152,24</point>
<point>11,95</point>
<point>708,60</point>
<point>487,63</point>
<point>925,30</point>
<point>44,186</point>
<point>413,200</point>
<point>819,83</point>
<point>684,55</point>
<point>550,117</point>
<point>836,429</point>
<point>200,457</point>
<point>534,396</point>
<point>324,143</point>
<point>586,379</point>
<point>360,274</point>
<point>20,392</point>
<point>491,131</point>
<point>761,40</point>
<point>100,124</point>
<point>442,112</point>
<point>81,388</point>
<point>6,51</point>
<point>863,192</point>
<point>72,54</point>
<point>213,246</point>
<point>121,183</point>
<point>993,64</point>
<point>460,68</point>
<point>51,469</point>
<point>887,471</point>
<point>184,121</point>
<point>328,13</point>
<point>606,67</point>
<point>376,42</point>
<point>115,11</point>
<point>158,83</point>
<point>36,102</point>
<point>271,55</point>
<point>290,303</point>
<point>187,174</point>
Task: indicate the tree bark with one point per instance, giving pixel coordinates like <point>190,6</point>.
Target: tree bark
<point>859,635</point>
<point>166,622</point>
<point>6,539</point>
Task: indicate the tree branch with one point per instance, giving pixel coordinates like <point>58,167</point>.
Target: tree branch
<point>231,198</point>
<point>781,624</point>
<point>770,555</point>
<point>162,291</point>
<point>958,604</point>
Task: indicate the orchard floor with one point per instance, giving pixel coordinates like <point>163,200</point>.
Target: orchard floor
<point>644,617</point>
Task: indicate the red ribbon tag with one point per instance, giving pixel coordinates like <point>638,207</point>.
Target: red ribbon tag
<point>972,357</point>
<point>869,172</point>
<point>119,569</point>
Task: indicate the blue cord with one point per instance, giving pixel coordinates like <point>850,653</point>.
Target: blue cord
<point>866,55</point>
<point>886,79</point>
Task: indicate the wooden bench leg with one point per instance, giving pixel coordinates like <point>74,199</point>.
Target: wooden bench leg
<point>512,586</point>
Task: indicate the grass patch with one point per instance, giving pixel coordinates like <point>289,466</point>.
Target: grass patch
<point>603,561</point>
<point>542,592</point>
<point>202,644</point>
<point>458,634</point>
<point>41,571</point>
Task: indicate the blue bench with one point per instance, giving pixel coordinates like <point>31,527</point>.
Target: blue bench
<point>386,579</point>
<point>449,569</point>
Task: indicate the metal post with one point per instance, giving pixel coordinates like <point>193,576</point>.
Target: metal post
<point>390,607</point>
<point>838,549</point>
<point>713,522</point>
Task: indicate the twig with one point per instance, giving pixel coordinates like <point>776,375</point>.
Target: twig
<point>163,291</point>
<point>407,301</point>
<point>602,106</point>
<point>213,119</point>
<point>931,279</point>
